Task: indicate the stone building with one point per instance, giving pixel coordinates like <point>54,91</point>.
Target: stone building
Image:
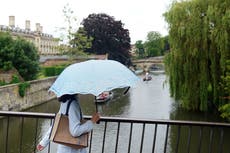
<point>45,43</point>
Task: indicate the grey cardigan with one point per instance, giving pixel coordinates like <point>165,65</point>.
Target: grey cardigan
<point>75,127</point>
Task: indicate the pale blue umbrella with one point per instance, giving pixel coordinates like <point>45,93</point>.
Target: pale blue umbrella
<point>93,77</point>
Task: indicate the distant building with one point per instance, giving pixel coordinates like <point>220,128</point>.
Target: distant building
<point>133,50</point>
<point>45,43</point>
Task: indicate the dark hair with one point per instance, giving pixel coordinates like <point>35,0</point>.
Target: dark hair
<point>66,97</point>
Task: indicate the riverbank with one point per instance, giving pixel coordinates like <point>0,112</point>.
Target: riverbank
<point>35,94</point>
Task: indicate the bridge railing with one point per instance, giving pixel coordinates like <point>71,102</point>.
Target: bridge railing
<point>118,135</point>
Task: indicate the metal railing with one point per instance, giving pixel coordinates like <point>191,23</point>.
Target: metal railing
<point>119,135</point>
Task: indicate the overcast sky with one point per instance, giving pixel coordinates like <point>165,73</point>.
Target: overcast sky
<point>138,16</point>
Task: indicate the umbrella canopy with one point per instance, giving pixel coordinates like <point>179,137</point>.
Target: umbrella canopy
<point>93,77</point>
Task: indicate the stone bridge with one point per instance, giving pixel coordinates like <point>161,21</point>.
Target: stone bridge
<point>149,63</point>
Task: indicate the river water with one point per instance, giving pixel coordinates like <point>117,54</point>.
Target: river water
<point>148,100</point>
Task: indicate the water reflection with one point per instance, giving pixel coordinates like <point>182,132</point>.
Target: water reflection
<point>150,100</point>
<point>209,140</point>
<point>19,140</point>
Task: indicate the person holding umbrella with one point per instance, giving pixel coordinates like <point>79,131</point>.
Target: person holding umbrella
<point>76,128</point>
<point>88,77</point>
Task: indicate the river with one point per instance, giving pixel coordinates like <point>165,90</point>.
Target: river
<point>148,100</point>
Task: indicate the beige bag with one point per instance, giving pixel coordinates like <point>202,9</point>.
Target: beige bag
<point>60,132</point>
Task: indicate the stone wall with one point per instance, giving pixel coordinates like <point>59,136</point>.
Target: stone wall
<point>35,94</point>
<point>7,76</point>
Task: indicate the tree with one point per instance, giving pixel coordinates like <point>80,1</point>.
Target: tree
<point>19,54</point>
<point>153,36</point>
<point>140,50</point>
<point>199,34</point>
<point>165,45</point>
<point>75,39</point>
<point>70,21</point>
<point>153,45</point>
<point>6,51</point>
<point>26,59</point>
<point>80,42</point>
<point>225,85</point>
<point>109,36</point>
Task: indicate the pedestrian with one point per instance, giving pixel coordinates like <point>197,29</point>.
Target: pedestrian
<point>147,77</point>
<point>75,126</point>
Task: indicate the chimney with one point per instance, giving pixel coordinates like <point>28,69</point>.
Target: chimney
<point>27,26</point>
<point>12,21</point>
<point>41,29</point>
<point>38,27</point>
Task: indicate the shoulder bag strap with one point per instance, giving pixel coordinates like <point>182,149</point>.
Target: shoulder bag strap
<point>80,113</point>
<point>67,109</point>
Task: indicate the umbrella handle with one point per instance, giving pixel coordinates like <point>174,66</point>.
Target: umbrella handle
<point>126,90</point>
<point>96,108</point>
<point>95,98</point>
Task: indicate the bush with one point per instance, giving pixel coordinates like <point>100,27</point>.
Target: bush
<point>22,88</point>
<point>59,69</point>
<point>49,71</point>
<point>15,79</point>
<point>53,70</point>
<point>7,66</point>
<point>19,54</point>
<point>225,111</point>
<point>2,83</point>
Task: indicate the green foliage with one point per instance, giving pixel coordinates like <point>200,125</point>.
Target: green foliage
<point>53,70</point>
<point>225,84</point>
<point>153,36</point>
<point>22,88</point>
<point>109,36</point>
<point>140,50</point>
<point>7,66</point>
<point>26,59</point>
<point>75,40</point>
<point>6,51</point>
<point>225,111</point>
<point>225,80</point>
<point>155,45</point>
<point>225,87</point>
<point>20,54</point>
<point>165,45</point>
<point>80,42</point>
<point>59,69</point>
<point>2,83</point>
<point>15,79</point>
<point>153,48</point>
<point>199,36</point>
<point>49,71</point>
